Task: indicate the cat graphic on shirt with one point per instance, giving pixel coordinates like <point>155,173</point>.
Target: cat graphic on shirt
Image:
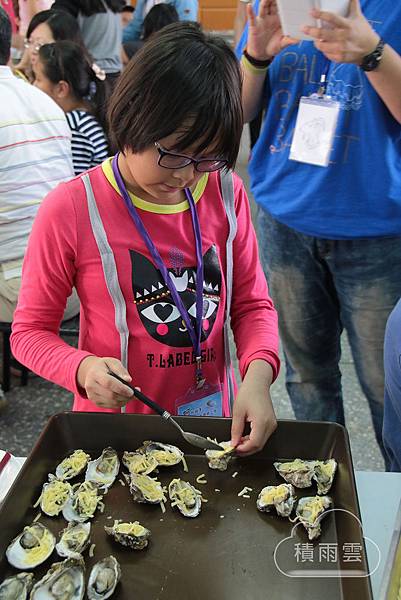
<point>157,311</point>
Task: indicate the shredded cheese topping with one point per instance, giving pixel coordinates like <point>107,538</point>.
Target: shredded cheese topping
<point>273,494</point>
<point>135,528</point>
<point>182,494</point>
<point>43,549</point>
<point>74,537</point>
<point>150,488</point>
<point>73,464</point>
<point>312,509</point>
<point>54,495</point>
<point>140,464</point>
<point>86,499</point>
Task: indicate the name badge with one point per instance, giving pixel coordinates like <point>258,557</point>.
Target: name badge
<point>314,130</point>
<point>204,402</point>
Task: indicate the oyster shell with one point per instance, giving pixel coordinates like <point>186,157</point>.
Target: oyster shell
<point>219,459</point>
<point>281,497</point>
<point>73,465</point>
<point>63,581</point>
<point>55,494</point>
<point>145,489</point>
<point>324,474</point>
<point>133,535</point>
<point>83,501</point>
<point>16,587</point>
<point>185,497</point>
<point>103,579</point>
<point>104,469</point>
<point>298,472</point>
<point>310,511</point>
<point>74,539</point>
<point>31,547</point>
<point>139,462</point>
<point>166,455</point>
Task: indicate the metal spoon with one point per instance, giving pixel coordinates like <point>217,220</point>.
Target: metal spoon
<point>191,438</point>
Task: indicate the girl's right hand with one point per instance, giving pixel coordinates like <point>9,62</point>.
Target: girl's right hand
<point>265,36</point>
<point>101,388</point>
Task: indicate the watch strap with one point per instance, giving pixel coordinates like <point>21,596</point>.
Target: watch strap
<point>371,61</point>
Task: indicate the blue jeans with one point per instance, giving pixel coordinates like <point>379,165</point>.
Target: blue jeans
<point>319,287</point>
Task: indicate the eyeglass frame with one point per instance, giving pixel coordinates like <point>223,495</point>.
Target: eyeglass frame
<point>189,160</point>
<point>35,47</point>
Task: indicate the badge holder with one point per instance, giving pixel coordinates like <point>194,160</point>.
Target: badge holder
<point>315,128</point>
<point>206,401</point>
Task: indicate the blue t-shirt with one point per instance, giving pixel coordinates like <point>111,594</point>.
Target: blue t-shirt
<point>359,194</point>
<point>187,11</point>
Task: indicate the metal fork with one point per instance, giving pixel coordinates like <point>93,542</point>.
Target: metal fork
<point>192,438</point>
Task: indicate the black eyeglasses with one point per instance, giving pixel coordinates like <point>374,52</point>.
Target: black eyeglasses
<point>172,160</point>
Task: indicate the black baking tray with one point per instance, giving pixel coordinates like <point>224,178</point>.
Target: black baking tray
<point>227,553</point>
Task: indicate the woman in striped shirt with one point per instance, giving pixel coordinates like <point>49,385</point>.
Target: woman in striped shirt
<point>66,74</point>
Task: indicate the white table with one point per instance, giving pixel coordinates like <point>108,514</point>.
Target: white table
<point>379,499</point>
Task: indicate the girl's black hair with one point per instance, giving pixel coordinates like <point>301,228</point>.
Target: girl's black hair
<point>64,61</point>
<point>5,37</point>
<point>62,25</point>
<point>91,7</point>
<point>180,80</point>
<point>158,17</point>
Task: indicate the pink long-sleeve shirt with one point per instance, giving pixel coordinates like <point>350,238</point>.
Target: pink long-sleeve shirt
<point>62,253</point>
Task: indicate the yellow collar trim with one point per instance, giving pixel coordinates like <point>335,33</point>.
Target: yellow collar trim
<point>164,209</point>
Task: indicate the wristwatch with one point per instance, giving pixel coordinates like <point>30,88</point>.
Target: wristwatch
<point>371,61</point>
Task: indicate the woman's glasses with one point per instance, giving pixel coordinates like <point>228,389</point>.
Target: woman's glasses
<point>171,160</point>
<point>33,46</point>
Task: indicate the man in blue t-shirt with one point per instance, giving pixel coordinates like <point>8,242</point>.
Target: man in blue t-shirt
<point>329,236</point>
<point>187,11</point>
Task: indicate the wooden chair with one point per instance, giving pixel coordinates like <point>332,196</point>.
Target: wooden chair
<point>68,328</point>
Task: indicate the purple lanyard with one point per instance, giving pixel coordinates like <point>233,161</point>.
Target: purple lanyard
<point>195,333</point>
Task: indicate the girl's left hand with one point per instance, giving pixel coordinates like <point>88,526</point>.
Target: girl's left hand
<point>253,405</point>
<point>348,39</point>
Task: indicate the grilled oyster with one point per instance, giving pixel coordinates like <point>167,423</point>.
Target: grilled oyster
<point>104,469</point>
<point>103,579</point>
<point>83,501</point>
<point>166,455</point>
<point>31,547</point>
<point>324,474</point>
<point>310,511</point>
<point>145,489</point>
<point>298,472</point>
<point>73,465</point>
<point>74,539</point>
<point>55,494</point>
<point>281,497</point>
<point>219,459</point>
<point>140,463</point>
<point>63,581</point>
<point>133,535</point>
<point>185,497</point>
<point>16,587</point>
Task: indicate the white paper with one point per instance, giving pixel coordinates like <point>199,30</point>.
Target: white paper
<point>295,14</point>
<point>9,473</point>
<point>314,131</point>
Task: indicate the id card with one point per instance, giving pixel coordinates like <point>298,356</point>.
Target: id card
<point>314,130</point>
<point>204,402</point>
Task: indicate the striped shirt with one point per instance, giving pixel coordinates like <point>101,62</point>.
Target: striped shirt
<point>35,155</point>
<point>89,144</point>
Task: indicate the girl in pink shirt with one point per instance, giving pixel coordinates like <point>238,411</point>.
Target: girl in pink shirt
<point>158,242</point>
